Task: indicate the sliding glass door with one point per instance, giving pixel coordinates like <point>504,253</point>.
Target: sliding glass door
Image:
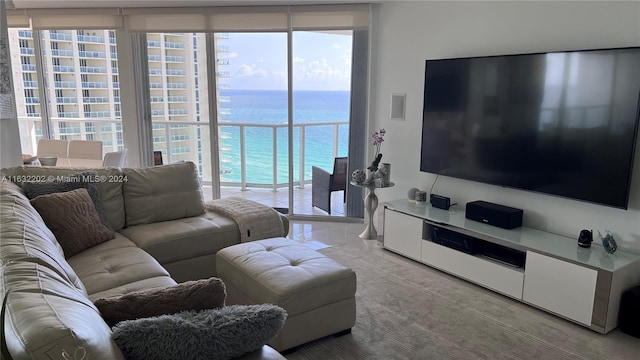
<point>321,103</point>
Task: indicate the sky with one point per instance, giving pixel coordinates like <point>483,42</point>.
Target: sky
<point>258,61</point>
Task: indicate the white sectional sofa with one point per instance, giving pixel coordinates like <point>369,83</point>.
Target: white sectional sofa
<point>163,235</point>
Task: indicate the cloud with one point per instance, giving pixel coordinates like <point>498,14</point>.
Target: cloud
<point>298,59</point>
<point>233,54</point>
<point>252,70</point>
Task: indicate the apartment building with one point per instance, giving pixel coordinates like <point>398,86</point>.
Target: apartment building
<point>84,101</point>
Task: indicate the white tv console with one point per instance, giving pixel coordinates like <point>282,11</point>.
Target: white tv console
<point>578,284</point>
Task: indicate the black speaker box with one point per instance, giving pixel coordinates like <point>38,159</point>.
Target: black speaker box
<point>440,202</point>
<point>494,214</point>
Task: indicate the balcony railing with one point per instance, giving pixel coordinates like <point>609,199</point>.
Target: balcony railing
<point>92,54</point>
<point>91,39</point>
<point>62,68</point>
<point>93,69</point>
<point>242,155</point>
<point>65,53</point>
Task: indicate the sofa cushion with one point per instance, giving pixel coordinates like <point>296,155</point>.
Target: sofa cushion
<point>176,240</point>
<point>73,219</point>
<point>221,334</point>
<point>118,264</point>
<point>162,193</point>
<point>47,315</point>
<point>85,180</point>
<point>110,181</point>
<point>190,295</point>
<point>25,237</point>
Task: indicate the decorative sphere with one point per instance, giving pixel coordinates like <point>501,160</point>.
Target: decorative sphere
<point>411,194</point>
<point>358,176</point>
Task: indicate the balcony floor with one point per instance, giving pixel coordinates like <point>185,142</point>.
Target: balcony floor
<point>280,198</point>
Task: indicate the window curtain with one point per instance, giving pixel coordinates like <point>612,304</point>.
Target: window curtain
<point>9,130</point>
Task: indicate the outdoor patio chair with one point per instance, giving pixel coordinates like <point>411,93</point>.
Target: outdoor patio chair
<point>323,183</point>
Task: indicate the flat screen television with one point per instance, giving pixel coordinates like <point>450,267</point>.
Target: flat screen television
<point>558,123</point>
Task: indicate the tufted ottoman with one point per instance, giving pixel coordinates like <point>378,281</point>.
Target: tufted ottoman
<point>317,292</point>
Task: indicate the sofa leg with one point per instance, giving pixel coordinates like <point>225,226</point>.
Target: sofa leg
<point>343,332</point>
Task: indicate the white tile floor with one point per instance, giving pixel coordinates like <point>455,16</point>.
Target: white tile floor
<point>280,198</point>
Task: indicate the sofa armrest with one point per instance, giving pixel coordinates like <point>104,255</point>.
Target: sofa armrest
<point>265,353</point>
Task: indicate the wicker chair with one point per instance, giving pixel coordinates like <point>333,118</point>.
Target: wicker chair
<point>323,184</point>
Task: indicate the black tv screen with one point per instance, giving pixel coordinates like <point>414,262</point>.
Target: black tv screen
<point>560,123</point>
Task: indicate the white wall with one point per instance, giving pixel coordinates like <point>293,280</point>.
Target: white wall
<point>407,33</point>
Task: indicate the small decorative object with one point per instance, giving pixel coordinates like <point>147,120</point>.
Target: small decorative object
<point>384,171</point>
<point>585,238</point>
<point>371,177</point>
<point>411,194</point>
<point>358,176</point>
<point>608,242</point>
<point>421,197</point>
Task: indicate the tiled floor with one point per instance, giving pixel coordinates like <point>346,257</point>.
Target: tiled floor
<point>407,310</point>
<point>280,198</point>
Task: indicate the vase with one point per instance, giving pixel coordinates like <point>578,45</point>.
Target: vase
<point>385,173</point>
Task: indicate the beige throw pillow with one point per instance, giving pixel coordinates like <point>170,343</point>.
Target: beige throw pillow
<point>190,295</point>
<point>73,219</point>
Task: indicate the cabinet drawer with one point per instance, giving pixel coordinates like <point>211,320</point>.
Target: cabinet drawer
<point>498,277</point>
<point>402,233</point>
<point>561,287</point>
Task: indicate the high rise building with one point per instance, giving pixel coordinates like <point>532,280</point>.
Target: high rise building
<point>82,89</point>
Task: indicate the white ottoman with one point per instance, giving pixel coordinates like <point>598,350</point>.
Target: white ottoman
<point>317,292</point>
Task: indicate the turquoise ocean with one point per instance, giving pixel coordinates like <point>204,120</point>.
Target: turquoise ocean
<point>269,107</point>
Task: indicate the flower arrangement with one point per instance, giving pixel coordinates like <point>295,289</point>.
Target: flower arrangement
<point>378,139</point>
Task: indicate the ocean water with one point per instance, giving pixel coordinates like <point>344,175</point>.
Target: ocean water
<point>269,107</point>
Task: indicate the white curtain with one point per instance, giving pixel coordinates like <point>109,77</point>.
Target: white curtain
<point>11,152</point>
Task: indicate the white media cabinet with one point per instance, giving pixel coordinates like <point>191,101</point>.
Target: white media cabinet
<point>578,284</point>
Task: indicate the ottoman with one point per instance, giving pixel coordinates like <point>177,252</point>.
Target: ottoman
<point>317,292</point>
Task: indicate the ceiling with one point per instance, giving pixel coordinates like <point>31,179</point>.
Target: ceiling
<point>35,4</point>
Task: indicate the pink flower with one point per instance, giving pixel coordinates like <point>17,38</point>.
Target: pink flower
<point>378,138</point>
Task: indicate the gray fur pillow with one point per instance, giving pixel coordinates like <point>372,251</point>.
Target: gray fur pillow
<point>189,295</point>
<point>209,334</point>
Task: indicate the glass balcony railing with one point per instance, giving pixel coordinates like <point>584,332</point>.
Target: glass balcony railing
<point>176,72</point>
<point>97,114</point>
<point>65,84</point>
<point>28,67</point>
<point>60,36</point>
<point>62,53</point>
<point>95,85</point>
<point>32,100</point>
<point>27,51</point>
<point>30,84</point>
<point>154,57</point>
<point>93,69</point>
<point>66,100</point>
<point>176,99</point>
<point>170,58</point>
<point>68,114</point>
<point>173,45</point>
<point>178,112</point>
<point>176,86</point>
<point>96,99</point>
<point>65,69</point>
<point>91,39</point>
<point>25,34</point>
<point>153,43</point>
<point>252,154</point>
<point>92,54</point>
